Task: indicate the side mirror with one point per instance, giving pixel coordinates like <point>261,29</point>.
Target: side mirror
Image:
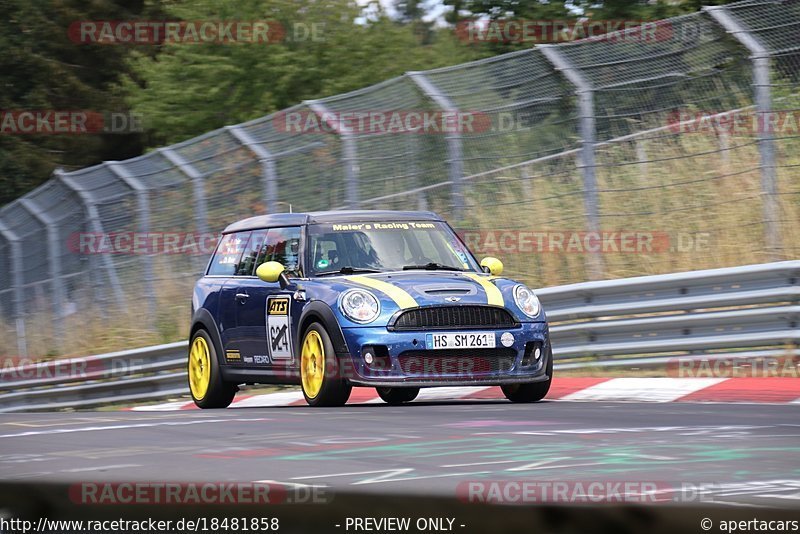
<point>492,265</point>
<point>271,272</point>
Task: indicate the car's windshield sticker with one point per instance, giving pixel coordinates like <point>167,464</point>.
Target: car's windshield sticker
<point>381,226</point>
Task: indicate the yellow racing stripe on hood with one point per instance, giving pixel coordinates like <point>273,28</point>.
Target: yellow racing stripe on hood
<point>400,296</point>
<point>493,294</point>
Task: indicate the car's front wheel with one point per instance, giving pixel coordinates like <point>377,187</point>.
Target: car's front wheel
<point>395,396</point>
<point>319,370</point>
<point>532,392</point>
<point>205,380</point>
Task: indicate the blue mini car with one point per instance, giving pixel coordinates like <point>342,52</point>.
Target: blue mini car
<point>388,299</point>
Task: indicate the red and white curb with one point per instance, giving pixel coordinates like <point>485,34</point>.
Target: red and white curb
<point>747,390</point>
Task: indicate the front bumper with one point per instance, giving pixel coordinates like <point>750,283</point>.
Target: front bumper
<point>404,359</point>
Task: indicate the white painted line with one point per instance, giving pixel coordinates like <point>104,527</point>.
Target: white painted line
<point>642,389</point>
<point>448,393</point>
<point>421,477</point>
<point>291,484</point>
<point>164,407</point>
<point>388,472</point>
<point>281,398</point>
<point>125,427</point>
<point>483,463</point>
<point>99,468</point>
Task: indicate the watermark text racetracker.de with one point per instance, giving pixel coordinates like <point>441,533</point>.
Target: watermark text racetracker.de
<point>197,493</point>
<point>746,122</point>
<point>722,366</point>
<point>136,243</point>
<point>582,491</point>
<point>620,241</point>
<point>404,121</point>
<point>68,122</point>
<point>192,32</point>
<point>23,369</point>
<point>561,31</point>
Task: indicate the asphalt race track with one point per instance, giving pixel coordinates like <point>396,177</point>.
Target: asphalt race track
<point>739,454</point>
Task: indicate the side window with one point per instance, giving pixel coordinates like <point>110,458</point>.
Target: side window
<point>226,257</point>
<point>246,265</point>
<point>282,245</point>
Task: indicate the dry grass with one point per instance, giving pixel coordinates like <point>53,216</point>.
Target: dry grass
<point>712,200</point>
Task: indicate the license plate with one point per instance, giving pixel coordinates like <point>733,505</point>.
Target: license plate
<point>460,340</point>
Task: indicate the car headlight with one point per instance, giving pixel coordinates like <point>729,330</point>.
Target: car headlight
<point>527,301</point>
<point>359,306</point>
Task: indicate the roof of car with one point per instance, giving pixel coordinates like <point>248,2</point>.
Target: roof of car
<point>296,219</point>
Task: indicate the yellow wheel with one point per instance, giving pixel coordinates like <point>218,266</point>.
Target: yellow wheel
<point>313,361</point>
<point>199,368</point>
<point>205,380</point>
<point>319,370</point>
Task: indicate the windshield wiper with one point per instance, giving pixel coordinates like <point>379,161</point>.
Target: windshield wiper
<point>432,266</point>
<point>348,270</point>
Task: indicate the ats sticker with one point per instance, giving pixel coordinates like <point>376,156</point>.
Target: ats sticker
<point>278,335</point>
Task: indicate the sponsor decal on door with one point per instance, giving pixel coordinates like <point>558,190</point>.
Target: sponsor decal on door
<point>279,339</point>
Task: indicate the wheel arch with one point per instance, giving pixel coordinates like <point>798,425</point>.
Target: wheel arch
<point>203,320</point>
<point>319,312</point>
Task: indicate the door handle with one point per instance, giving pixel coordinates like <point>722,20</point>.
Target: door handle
<point>242,296</point>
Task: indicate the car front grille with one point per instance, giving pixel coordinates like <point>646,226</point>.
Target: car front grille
<point>464,363</point>
<point>444,317</point>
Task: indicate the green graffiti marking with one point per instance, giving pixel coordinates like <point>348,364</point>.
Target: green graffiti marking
<point>569,458</point>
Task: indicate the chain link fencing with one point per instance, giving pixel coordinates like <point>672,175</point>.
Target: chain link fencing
<point>665,148</point>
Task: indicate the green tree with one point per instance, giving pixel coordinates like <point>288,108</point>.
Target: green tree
<point>42,69</point>
<point>189,89</point>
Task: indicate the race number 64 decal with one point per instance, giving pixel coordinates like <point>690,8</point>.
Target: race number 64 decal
<point>278,335</point>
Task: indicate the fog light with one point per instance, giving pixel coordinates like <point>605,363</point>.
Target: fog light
<point>537,353</point>
<point>369,358</point>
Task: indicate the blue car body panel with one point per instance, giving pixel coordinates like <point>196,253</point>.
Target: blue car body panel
<point>253,346</point>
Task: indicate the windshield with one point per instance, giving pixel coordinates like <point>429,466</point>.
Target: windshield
<point>385,246</point>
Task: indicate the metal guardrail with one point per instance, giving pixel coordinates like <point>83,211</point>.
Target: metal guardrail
<point>748,312</point>
<point>732,309</point>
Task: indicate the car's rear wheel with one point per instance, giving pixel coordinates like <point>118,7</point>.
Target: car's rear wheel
<point>395,396</point>
<point>534,391</point>
<point>205,380</point>
<point>319,370</point>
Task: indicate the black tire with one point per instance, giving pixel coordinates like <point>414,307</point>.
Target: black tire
<point>533,391</point>
<point>334,390</point>
<point>219,394</point>
<point>396,396</point>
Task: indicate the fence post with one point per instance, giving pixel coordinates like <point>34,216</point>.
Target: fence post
<point>267,161</point>
<point>760,57</point>
<point>143,201</point>
<point>454,142</point>
<point>585,93</point>
<point>198,187</point>
<point>349,155</point>
<point>97,227</point>
<point>15,244</point>
<point>527,185</point>
<point>53,261</point>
